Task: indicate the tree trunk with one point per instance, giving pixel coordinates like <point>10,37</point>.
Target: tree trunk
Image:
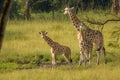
<point>115,6</point>
<point>77,6</point>
<point>53,9</point>
<point>4,19</point>
<point>27,11</point>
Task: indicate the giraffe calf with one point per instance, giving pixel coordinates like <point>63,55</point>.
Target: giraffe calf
<point>85,48</point>
<point>85,52</point>
<point>56,48</point>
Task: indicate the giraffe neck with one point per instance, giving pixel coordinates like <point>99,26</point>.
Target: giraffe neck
<point>49,41</point>
<point>76,22</point>
<point>82,33</point>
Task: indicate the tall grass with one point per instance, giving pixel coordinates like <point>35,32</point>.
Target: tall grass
<point>24,48</point>
<point>101,72</point>
<point>22,40</point>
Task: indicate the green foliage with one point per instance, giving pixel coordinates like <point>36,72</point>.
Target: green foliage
<point>37,6</point>
<point>40,5</point>
<point>45,5</point>
<point>1,5</point>
<point>5,67</point>
<point>49,5</point>
<point>15,9</point>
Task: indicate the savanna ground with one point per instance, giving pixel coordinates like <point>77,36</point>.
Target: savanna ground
<point>26,56</point>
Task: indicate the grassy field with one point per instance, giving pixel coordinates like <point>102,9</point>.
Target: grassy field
<point>101,72</point>
<point>24,51</point>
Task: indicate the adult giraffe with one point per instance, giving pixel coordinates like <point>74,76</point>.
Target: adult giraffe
<point>93,36</point>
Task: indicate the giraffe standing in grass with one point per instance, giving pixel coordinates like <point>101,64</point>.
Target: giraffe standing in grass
<point>56,48</point>
<point>85,48</point>
<point>92,36</point>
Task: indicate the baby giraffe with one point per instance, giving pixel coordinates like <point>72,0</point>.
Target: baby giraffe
<point>85,48</point>
<point>56,48</point>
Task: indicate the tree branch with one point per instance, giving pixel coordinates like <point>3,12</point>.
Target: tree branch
<point>100,23</point>
<point>91,21</point>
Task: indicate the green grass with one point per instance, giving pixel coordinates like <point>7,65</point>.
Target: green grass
<point>23,48</point>
<point>22,38</point>
<point>101,72</point>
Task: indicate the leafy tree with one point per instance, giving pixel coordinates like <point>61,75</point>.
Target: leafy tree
<point>40,5</point>
<point>27,10</point>
<point>116,6</point>
<point>15,9</point>
<point>18,6</point>
<point>1,5</point>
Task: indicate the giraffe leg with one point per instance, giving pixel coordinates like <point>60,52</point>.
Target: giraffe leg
<point>81,59</point>
<point>53,59</point>
<point>104,54</point>
<point>98,49</point>
<point>98,57</point>
<point>90,53</point>
<point>85,61</point>
<point>68,57</point>
<point>89,58</point>
<point>86,58</point>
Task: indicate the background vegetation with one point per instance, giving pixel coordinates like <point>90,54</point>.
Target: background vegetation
<point>24,52</point>
<point>40,6</point>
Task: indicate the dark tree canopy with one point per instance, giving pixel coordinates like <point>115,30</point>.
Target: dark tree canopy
<point>1,5</point>
<point>18,6</point>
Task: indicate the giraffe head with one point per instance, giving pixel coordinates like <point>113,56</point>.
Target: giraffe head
<point>43,33</point>
<point>68,9</point>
